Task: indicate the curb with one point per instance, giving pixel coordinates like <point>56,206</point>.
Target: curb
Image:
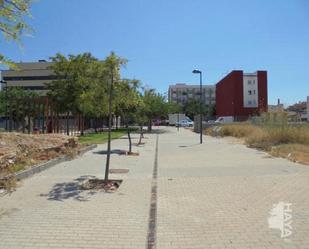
<point>43,166</point>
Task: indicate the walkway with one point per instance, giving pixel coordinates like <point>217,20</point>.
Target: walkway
<point>182,195</point>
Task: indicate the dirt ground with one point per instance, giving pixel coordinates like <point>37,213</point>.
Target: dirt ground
<point>19,151</point>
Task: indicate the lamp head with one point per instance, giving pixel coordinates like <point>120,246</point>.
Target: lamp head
<point>196,71</point>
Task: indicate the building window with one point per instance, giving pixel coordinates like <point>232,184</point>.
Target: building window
<point>254,92</point>
<point>21,78</point>
<point>249,102</point>
<point>250,92</point>
<point>249,82</point>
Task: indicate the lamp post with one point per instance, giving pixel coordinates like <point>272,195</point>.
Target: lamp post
<point>195,71</point>
<point>6,106</point>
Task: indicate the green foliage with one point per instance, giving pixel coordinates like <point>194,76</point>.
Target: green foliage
<point>17,103</point>
<point>100,138</point>
<point>82,85</point>
<point>173,107</point>
<point>12,22</point>
<point>155,105</point>
<point>127,99</point>
<point>192,108</point>
<point>74,78</point>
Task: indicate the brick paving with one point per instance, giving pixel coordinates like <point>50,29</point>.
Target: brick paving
<point>215,195</point>
<point>219,195</point>
<point>47,211</point>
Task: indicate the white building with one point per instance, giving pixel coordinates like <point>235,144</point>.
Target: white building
<point>182,93</point>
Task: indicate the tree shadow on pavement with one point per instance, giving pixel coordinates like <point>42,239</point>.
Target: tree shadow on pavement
<point>116,151</point>
<point>126,138</point>
<point>157,131</point>
<point>70,190</point>
<point>189,145</point>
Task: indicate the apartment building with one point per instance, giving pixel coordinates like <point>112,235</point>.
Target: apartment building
<point>241,95</point>
<point>182,93</point>
<point>30,76</point>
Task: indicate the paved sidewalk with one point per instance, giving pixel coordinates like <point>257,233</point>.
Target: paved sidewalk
<point>215,195</point>
<point>219,195</point>
<point>48,211</point>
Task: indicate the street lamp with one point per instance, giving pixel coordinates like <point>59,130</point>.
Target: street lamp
<point>6,106</point>
<point>195,71</point>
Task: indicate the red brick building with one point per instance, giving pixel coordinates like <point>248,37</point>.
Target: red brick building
<point>241,95</point>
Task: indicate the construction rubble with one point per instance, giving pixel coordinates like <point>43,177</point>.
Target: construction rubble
<point>19,151</point>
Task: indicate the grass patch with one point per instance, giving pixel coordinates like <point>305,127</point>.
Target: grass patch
<point>294,152</point>
<point>100,138</point>
<point>18,167</point>
<point>272,134</point>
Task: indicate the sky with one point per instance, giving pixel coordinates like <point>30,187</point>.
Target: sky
<point>164,40</point>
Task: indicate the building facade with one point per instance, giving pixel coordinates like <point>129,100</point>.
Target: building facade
<point>241,95</point>
<point>30,76</point>
<point>182,93</point>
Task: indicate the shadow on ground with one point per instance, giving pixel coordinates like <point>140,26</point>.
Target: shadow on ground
<point>116,151</point>
<point>189,145</point>
<point>157,131</point>
<point>70,190</point>
<point>128,138</point>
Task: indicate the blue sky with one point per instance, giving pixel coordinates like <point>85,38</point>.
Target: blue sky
<point>165,39</point>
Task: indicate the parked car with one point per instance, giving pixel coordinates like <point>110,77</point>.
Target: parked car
<point>224,120</point>
<point>184,123</point>
<point>173,118</point>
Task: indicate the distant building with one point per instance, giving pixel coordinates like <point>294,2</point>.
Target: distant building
<point>30,76</point>
<point>299,109</point>
<point>241,95</point>
<point>182,93</point>
<point>276,108</point>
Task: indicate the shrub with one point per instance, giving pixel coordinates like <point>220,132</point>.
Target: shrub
<point>237,130</point>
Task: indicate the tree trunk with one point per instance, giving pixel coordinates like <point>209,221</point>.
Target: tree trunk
<point>68,126</point>
<point>141,135</point>
<point>109,129</point>
<point>149,125</point>
<point>129,137</point>
<point>95,125</point>
<point>82,125</point>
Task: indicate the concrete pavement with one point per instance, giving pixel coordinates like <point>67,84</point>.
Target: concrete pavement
<point>215,195</point>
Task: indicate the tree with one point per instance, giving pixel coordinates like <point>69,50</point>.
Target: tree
<point>174,107</point>
<point>126,102</point>
<point>15,102</point>
<point>192,108</point>
<point>141,117</point>
<point>112,66</point>
<point>75,76</point>
<point>12,22</point>
<point>93,100</point>
<point>155,106</point>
